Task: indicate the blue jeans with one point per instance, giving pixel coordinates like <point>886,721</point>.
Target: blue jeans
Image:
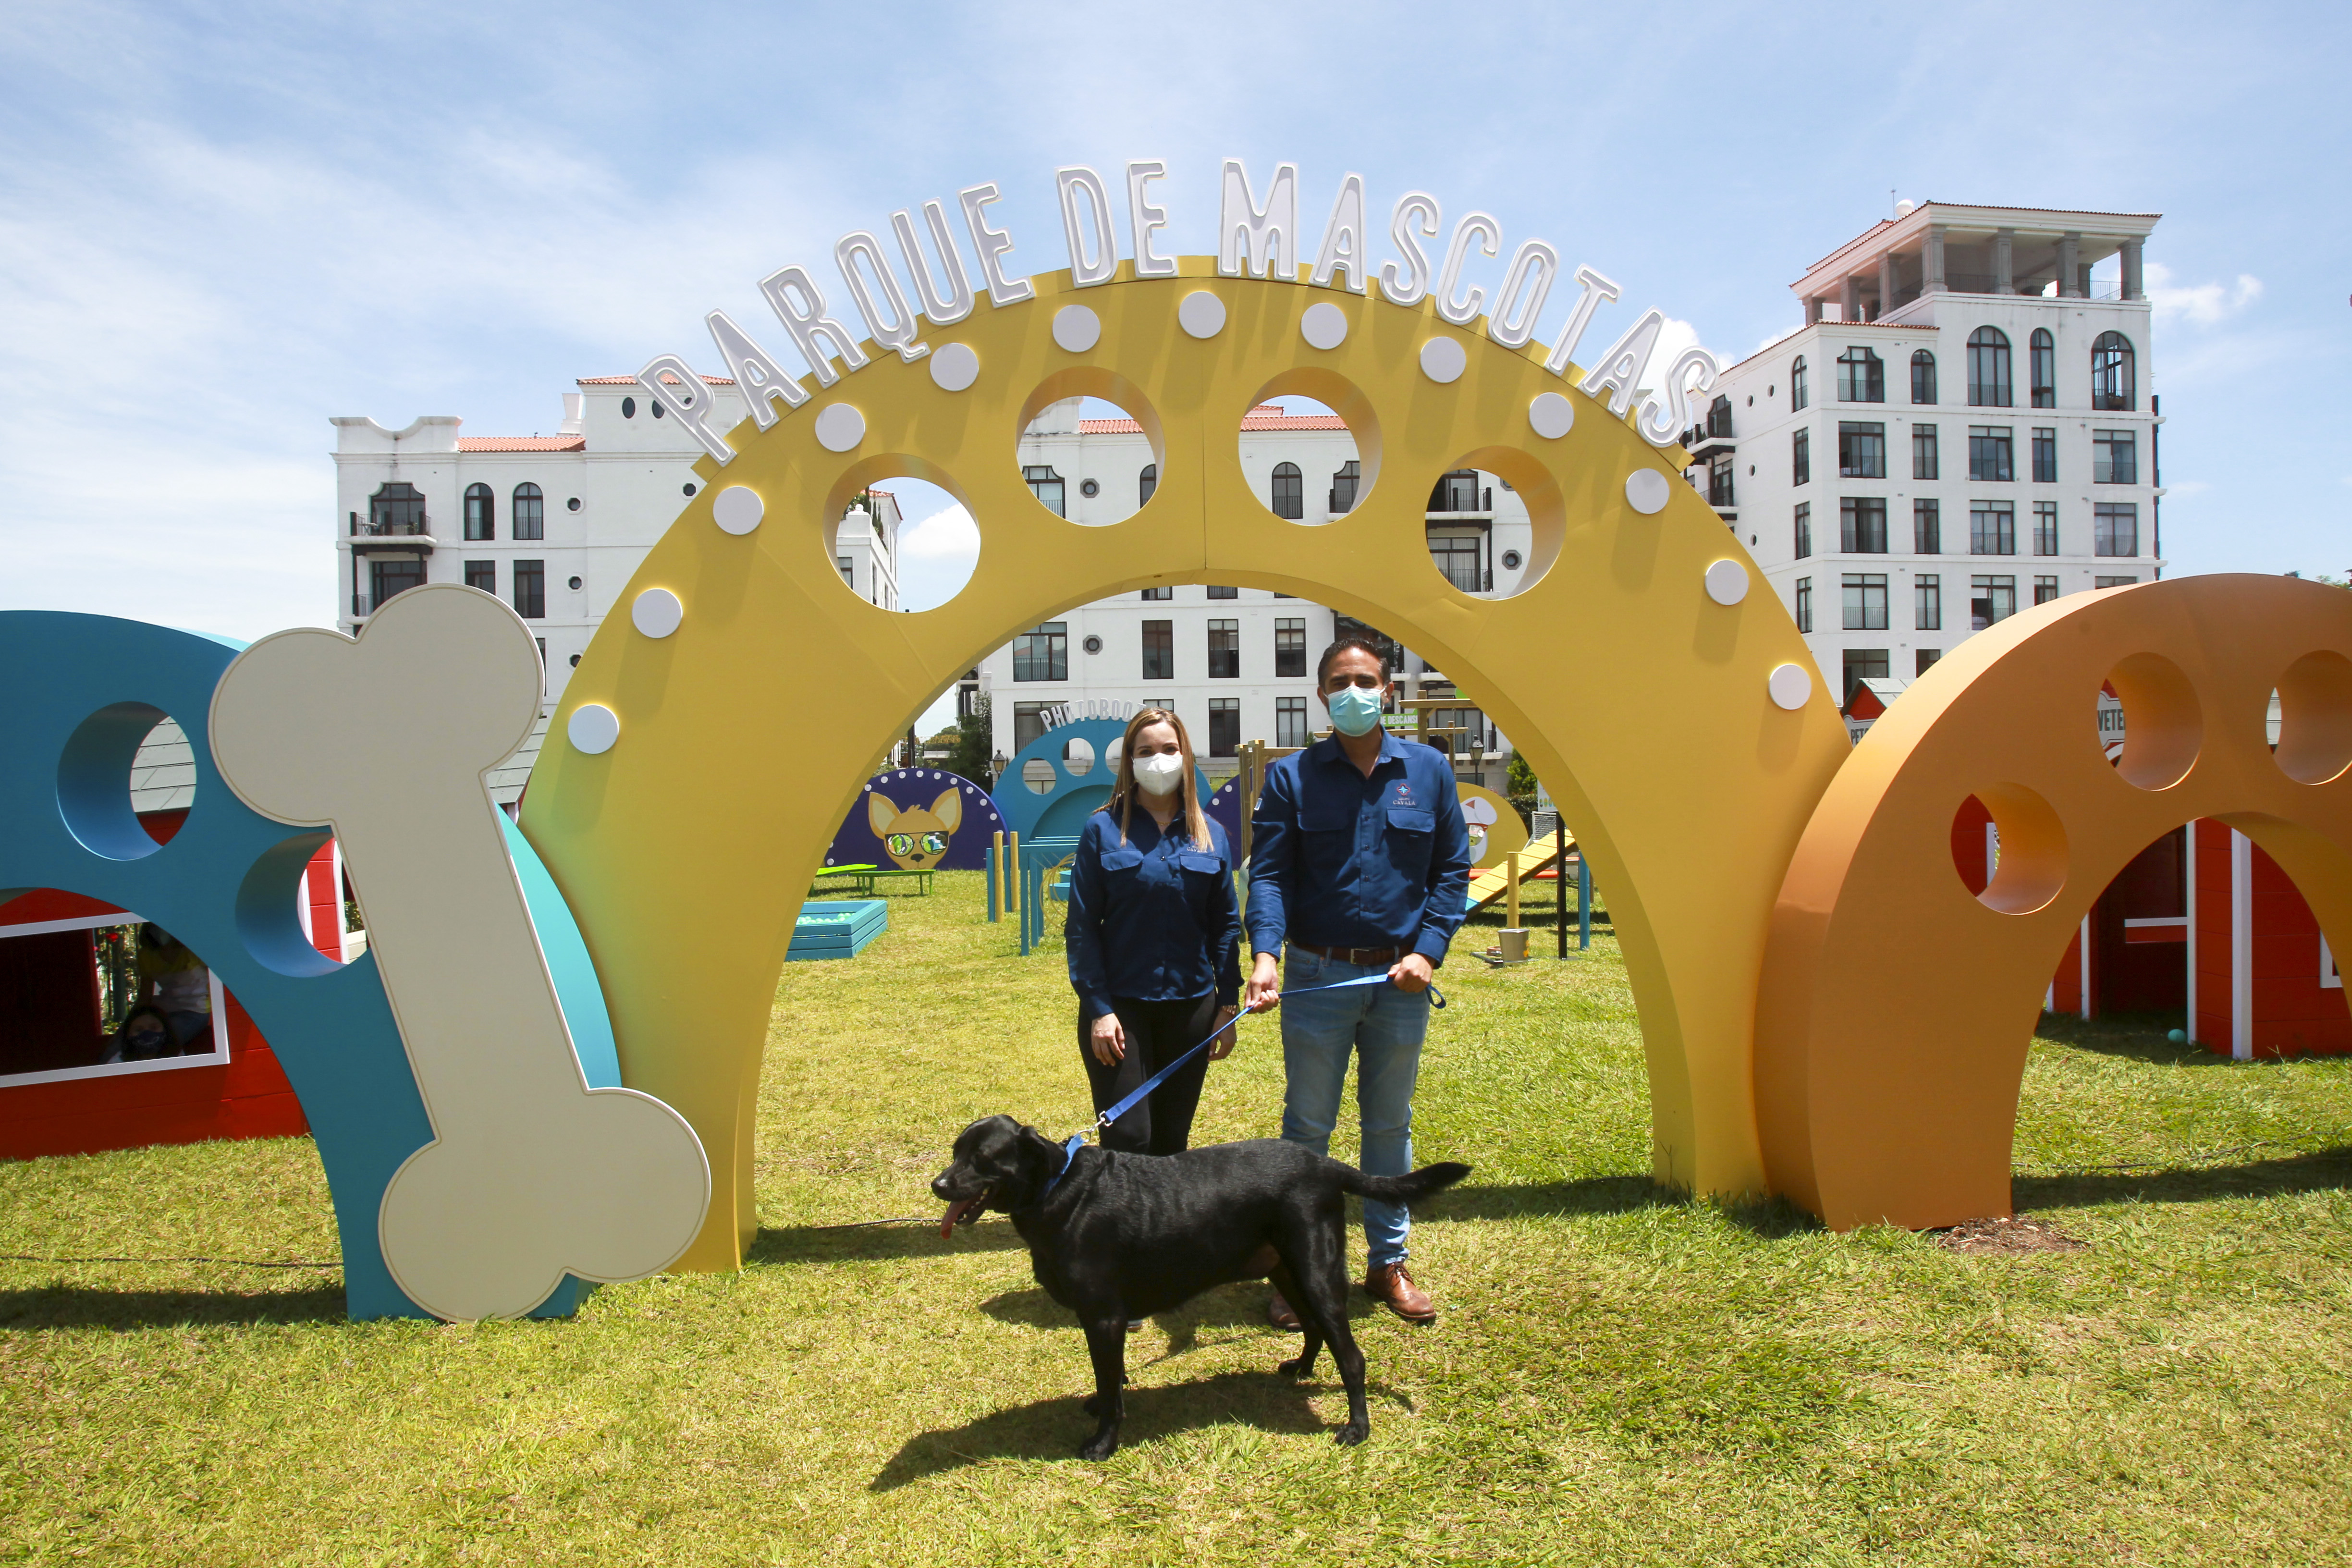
<point>1383,1027</point>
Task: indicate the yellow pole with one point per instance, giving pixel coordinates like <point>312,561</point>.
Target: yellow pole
<point>996,867</point>
<point>1511,890</point>
<point>1013,872</point>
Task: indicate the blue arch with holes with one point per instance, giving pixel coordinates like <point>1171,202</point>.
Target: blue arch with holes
<point>1061,811</point>
<point>82,692</point>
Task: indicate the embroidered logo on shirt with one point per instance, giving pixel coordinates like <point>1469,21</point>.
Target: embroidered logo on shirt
<point>1404,794</point>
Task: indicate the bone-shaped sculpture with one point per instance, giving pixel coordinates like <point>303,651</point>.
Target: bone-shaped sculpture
<point>531,1173</point>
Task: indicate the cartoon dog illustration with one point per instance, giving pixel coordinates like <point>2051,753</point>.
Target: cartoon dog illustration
<point>916,838</point>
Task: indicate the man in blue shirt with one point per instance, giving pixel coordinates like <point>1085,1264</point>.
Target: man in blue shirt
<point>1360,860</point>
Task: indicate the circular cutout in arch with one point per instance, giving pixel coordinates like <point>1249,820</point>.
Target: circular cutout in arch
<point>2025,850</point>
<point>118,755</point>
<point>1308,446</point>
<point>269,918</point>
<point>919,518</point>
<point>1128,464</point>
<point>2314,718</point>
<point>1496,522</point>
<point>2162,722</point>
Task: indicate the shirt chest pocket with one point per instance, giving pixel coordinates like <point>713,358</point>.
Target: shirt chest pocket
<point>1199,865</point>
<point>1119,864</point>
<point>1411,833</point>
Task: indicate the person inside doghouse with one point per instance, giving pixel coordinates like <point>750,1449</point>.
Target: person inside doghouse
<point>145,1035</point>
<point>177,982</point>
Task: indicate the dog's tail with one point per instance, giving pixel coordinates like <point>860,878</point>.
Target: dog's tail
<point>1407,1190</point>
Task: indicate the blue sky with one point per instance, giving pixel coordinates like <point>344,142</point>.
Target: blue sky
<point>219,226</point>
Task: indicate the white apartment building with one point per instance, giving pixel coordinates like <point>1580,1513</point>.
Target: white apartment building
<point>555,525</point>
<point>1236,664</point>
<point>1963,427</point>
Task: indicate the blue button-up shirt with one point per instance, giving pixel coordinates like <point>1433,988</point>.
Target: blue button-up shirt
<point>1153,919</point>
<point>1339,859</point>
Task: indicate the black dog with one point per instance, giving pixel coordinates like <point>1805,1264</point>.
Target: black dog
<point>1124,1236</point>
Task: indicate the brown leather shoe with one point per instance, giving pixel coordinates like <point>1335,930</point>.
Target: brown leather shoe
<point>1392,1287</point>
<point>1283,1315</point>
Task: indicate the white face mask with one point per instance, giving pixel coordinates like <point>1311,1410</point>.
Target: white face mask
<point>1161,774</point>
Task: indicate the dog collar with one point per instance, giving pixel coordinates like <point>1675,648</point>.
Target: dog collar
<point>1070,1157</point>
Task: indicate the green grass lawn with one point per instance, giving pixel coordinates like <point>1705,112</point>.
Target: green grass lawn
<point>1619,1376</point>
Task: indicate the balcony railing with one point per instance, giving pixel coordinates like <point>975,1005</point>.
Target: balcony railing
<point>418,529</point>
<point>1464,500</point>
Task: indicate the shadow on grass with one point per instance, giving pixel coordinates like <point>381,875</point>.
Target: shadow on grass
<point>1240,1305</point>
<point>2131,1036</point>
<point>2323,1170</point>
<point>1052,1428</point>
<point>78,1307</point>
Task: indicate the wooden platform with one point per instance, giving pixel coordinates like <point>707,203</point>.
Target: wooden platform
<point>1535,860</point>
<point>837,928</point>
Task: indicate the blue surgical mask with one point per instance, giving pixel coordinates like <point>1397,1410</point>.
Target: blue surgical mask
<point>1355,709</point>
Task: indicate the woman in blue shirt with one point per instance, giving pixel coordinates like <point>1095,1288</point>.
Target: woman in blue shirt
<point>1153,928</point>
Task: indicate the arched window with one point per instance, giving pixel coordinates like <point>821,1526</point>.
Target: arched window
<point>1146,482</point>
<point>1923,377</point>
<point>529,513</point>
<point>1989,368</point>
<point>1797,384</point>
<point>2043,369</point>
<point>396,508</point>
<point>481,512</point>
<point>2111,374</point>
<point>1289,495</point>
<point>1345,480</point>
<point>1862,376</point>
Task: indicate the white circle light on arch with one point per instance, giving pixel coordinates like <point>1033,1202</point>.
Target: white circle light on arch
<point>1076,328</point>
<point>1323,326</point>
<point>736,509</point>
<point>954,367</point>
<point>593,728</point>
<point>656,612</point>
<point>1791,685</point>
<point>1443,360</point>
<point>839,427</point>
<point>1726,581</point>
<point>1645,491</point>
<point>1201,314</point>
<point>1550,415</point>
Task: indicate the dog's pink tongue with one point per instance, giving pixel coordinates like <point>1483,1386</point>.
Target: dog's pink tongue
<point>947,1226</point>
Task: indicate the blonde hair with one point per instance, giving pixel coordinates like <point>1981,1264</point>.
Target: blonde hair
<point>1123,793</point>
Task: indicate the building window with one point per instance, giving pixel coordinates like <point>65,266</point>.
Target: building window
<point>1861,664</point>
<point>2045,455</point>
<point>394,509</point>
<point>1224,593</point>
<point>1862,376</point>
<point>1801,457</point>
<point>1804,604</point>
<point>2115,582</point>
<point>2115,529</point>
<point>2045,528</point>
<point>1459,557</point>
<point>1927,527</point>
<point>386,578</point>
<point>1719,419</point>
<point>2042,368</point>
<point>1290,647</point>
<point>1804,529</point>
<point>1992,528</point>
<point>1797,382</point>
<point>1923,377</point>
<point>1989,368</point>
<point>1865,600</point>
<point>1344,483</point>
<point>1862,450</point>
<point>1923,659</point>
<point>482,575</point>
<point>1157,596</point>
<point>531,589</point>
<point>2115,457</point>
<point>1028,724</point>
<point>1720,490</point>
<point>1991,458</point>
<point>1224,653</point>
<point>529,513</point>
<point>848,569</point>
<point>1456,492</point>
<point>481,512</point>
<point>1046,485</point>
<point>1290,720</point>
<point>1862,525</point>
<point>2044,590</point>
<point>2112,391</point>
<point>1043,653</point>
<point>1288,495</point>
<point>1160,650</point>
<point>1927,603</point>
<point>1224,727</point>
<point>628,408</point>
<point>1991,599</point>
<point>1147,482</point>
<point>1927,461</point>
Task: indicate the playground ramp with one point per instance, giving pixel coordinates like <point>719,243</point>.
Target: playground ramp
<point>1536,859</point>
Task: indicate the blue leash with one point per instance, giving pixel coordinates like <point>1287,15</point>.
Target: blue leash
<point>1078,1140</point>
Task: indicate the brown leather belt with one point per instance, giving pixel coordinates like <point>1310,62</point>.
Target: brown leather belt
<point>1359,955</point>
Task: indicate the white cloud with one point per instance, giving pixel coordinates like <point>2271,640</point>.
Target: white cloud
<point>946,535</point>
<point>2204,304</point>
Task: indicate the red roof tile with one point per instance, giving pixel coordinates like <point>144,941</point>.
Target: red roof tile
<point>522,443</point>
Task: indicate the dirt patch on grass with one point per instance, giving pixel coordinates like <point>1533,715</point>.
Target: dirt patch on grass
<point>2007,1235</point>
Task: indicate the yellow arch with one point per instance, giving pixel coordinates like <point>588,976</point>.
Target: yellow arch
<point>684,849</point>
<point>1896,1006</point>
